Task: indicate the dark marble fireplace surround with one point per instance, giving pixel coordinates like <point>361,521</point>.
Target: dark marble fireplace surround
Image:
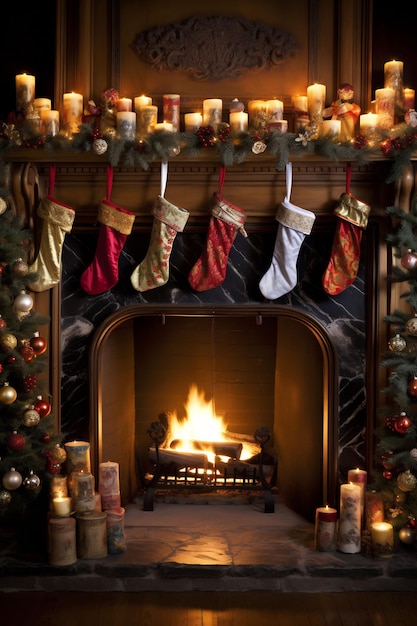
<point>343,316</point>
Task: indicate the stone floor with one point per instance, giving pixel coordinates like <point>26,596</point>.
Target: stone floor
<point>233,547</point>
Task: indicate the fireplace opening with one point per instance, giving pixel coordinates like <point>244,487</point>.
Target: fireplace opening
<point>270,367</point>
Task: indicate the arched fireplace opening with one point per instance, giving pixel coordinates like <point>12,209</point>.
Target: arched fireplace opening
<point>271,366</point>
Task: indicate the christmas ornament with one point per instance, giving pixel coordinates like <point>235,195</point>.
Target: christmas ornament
<point>397,343</point>
<point>5,497</point>
<point>258,147</point>
<point>38,344</point>
<point>46,438</point>
<point>32,481</point>
<point>8,341</point>
<point>15,442</point>
<point>57,221</point>
<point>12,479</point>
<point>387,474</point>
<point>403,423</point>
<point>42,406</point>
<point>52,466</point>
<point>20,268</point>
<point>100,146</point>
<point>409,260</point>
<point>30,383</point>
<point>31,418</point>
<point>413,454</point>
<point>3,206</point>
<point>59,454</point>
<point>411,326</point>
<point>412,387</point>
<point>407,535</point>
<point>23,304</point>
<point>11,359</point>
<point>7,394</point>
<point>115,224</point>
<point>3,323</point>
<point>27,352</point>
<point>407,481</point>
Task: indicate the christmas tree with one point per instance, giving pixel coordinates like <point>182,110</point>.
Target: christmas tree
<point>396,474</point>
<point>29,449</point>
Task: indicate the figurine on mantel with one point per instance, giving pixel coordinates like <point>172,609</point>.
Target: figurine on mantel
<point>345,110</point>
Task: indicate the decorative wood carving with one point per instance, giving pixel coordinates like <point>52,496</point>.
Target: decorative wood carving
<point>214,47</point>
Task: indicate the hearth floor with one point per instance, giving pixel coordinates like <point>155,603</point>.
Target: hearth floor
<point>221,547</point>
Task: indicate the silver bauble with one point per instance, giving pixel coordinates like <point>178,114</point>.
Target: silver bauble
<point>12,479</point>
<point>23,302</point>
<point>32,481</point>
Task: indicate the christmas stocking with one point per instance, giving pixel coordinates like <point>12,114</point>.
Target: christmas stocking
<point>294,224</point>
<point>225,221</point>
<point>115,225</point>
<point>169,220</point>
<point>343,265</point>
<point>57,219</point>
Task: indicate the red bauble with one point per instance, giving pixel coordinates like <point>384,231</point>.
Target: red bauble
<point>3,323</point>
<point>387,475</point>
<point>42,406</point>
<point>46,438</point>
<point>409,260</point>
<point>27,352</point>
<point>412,387</point>
<point>15,442</point>
<point>38,344</point>
<point>403,423</point>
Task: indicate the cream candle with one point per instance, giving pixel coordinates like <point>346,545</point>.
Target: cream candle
<point>25,91</point>
<point>58,487</point>
<point>62,506</point>
<point>109,485</point>
<point>325,534</point>
<point>193,122</point>
<point>49,122</point>
<point>62,541</point>
<point>300,111</point>
<point>72,112</point>
<point>212,112</point>
<point>359,477</point>
<point>368,122</point>
<point>78,456</point>
<point>316,98</point>
<point>382,534</point>
<point>257,114</point>
<point>393,78</point>
<point>409,99</point>
<point>331,128</point>
<point>126,124</point>
<point>274,111</point>
<point>141,101</point>
<point>349,540</point>
<point>171,110</point>
<point>40,104</point>
<point>238,121</point>
<point>83,492</point>
<point>385,107</point>
<point>124,104</point>
<point>164,126</point>
<point>147,119</point>
<point>281,126</point>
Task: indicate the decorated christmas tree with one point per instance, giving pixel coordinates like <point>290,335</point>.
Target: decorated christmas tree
<point>396,475</point>
<point>29,449</point>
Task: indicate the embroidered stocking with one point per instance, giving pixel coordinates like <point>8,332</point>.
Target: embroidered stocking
<point>115,225</point>
<point>225,221</point>
<point>169,220</point>
<point>294,223</point>
<point>57,219</point>
<point>343,265</point>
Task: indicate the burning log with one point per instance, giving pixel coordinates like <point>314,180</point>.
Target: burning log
<point>179,459</point>
<point>219,448</point>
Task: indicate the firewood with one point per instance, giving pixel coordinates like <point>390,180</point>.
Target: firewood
<point>220,448</point>
<point>180,459</point>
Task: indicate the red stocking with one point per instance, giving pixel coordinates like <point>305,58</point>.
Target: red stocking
<point>225,221</point>
<point>115,225</point>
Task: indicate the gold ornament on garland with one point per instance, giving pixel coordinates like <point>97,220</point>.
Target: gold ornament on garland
<point>407,481</point>
<point>31,418</point>
<point>397,343</point>
<point>20,268</point>
<point>8,341</point>
<point>7,394</point>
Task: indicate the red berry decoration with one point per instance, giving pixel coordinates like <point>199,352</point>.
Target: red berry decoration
<point>38,344</point>
<point>30,383</point>
<point>15,442</point>
<point>403,423</point>
<point>42,406</point>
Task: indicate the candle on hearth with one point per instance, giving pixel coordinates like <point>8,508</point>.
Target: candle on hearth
<point>193,122</point>
<point>350,519</point>
<point>385,107</point>
<point>109,485</point>
<point>382,534</point>
<point>25,92</point>
<point>274,111</point>
<point>62,506</point>
<point>78,456</point>
<point>72,112</point>
<point>83,492</point>
<point>359,477</point>
<point>49,122</point>
<point>171,110</point>
<point>325,534</point>
<point>212,112</point>
<point>58,487</point>
<point>374,508</point>
<point>146,119</point>
<point>141,101</point>
<point>316,97</point>
<point>393,78</point>
<point>62,541</point>
<point>126,124</point>
<point>409,99</point>
<point>257,114</point>
<point>124,104</point>
<point>91,535</point>
<point>331,128</point>
<point>238,121</point>
<point>116,542</point>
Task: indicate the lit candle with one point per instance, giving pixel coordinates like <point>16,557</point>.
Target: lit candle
<point>78,456</point>
<point>316,98</point>
<point>124,104</point>
<point>350,519</point>
<point>50,122</point>
<point>368,122</point>
<point>409,99</point>
<point>192,122</point>
<point>72,111</point>
<point>374,508</point>
<point>58,487</point>
<point>393,78</point>
<point>382,534</point>
<point>141,101</point>
<point>325,529</point>
<point>238,121</point>
<point>126,124</point>
<point>331,128</point>
<point>62,506</point>
<point>385,107</point>
<point>109,485</point>
<point>40,104</point>
<point>171,110</point>
<point>164,126</point>
<point>257,114</point>
<point>147,118</point>
<point>274,111</point>
<point>25,92</point>
<point>300,111</point>
<point>212,112</point>
<point>359,477</point>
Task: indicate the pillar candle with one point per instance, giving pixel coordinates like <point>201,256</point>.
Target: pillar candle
<point>350,519</point>
<point>325,534</point>
<point>368,123</point>
<point>274,111</point>
<point>374,508</point>
<point>126,124</point>
<point>109,485</point>
<point>91,535</point>
<point>300,111</point>
<point>382,534</point>
<point>62,541</point>
<point>164,126</point>
<point>58,487</point>
<point>331,128</point>
<point>25,92</point>
<point>141,101</point>
<point>72,112</point>
<point>393,78</point>
<point>147,118</point>
<point>212,112</point>
<point>359,477</point>
<point>238,121</point>
<point>409,99</point>
<point>280,127</point>
<point>124,104</point>
<point>385,106</point>
<point>40,104</point>
<point>49,122</point>
<point>116,542</point>
<point>78,456</point>
<point>316,97</point>
<point>192,122</point>
<point>171,110</point>
<point>62,506</point>
<point>257,114</point>
<point>83,492</point>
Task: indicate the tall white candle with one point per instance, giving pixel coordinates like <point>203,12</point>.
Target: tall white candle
<point>274,110</point>
<point>171,110</point>
<point>146,119</point>
<point>393,78</point>
<point>350,519</point>
<point>212,112</point>
<point>359,477</point>
<point>257,114</point>
<point>126,124</point>
<point>316,97</point>
<point>25,91</point>
<point>72,111</point>
<point>192,122</point>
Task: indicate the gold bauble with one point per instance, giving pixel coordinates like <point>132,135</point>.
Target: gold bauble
<point>31,418</point>
<point>7,394</point>
<point>8,341</point>
<point>407,481</point>
<point>411,326</point>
